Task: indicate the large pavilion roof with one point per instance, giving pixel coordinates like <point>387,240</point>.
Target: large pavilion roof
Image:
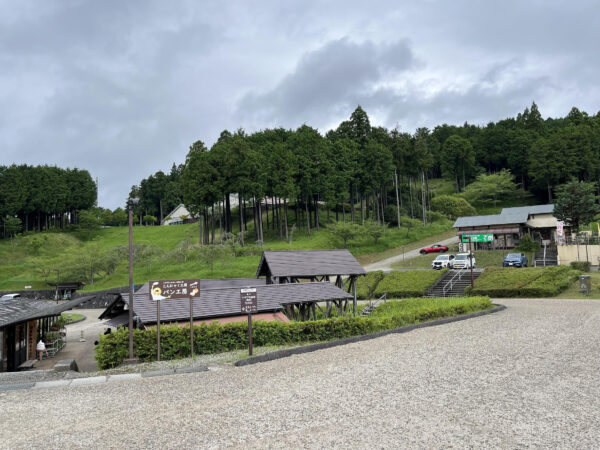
<point>308,263</point>
<point>225,301</point>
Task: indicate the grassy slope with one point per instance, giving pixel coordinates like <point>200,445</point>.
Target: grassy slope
<point>19,266</point>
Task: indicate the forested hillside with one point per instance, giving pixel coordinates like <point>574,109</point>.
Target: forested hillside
<point>363,172</point>
<point>43,197</point>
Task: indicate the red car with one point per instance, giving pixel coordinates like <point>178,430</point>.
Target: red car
<point>437,248</point>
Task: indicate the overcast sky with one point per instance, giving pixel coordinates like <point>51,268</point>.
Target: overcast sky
<point>123,88</point>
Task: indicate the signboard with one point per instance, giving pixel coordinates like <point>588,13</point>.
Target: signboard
<point>249,303</point>
<point>171,289</point>
<point>478,237</point>
<point>560,228</point>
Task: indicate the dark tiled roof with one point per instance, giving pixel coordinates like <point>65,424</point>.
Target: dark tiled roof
<point>517,215</point>
<point>308,263</point>
<point>226,301</point>
<point>24,309</point>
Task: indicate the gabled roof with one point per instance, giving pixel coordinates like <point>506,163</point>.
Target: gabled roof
<point>220,302</point>
<point>308,263</point>
<point>21,309</point>
<point>507,216</point>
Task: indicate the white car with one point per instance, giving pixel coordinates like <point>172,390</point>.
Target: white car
<point>442,261</point>
<point>10,296</point>
<point>462,261</point>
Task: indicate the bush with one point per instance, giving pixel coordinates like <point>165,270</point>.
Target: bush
<point>552,282</point>
<point>583,266</point>
<point>372,279</point>
<point>214,338</point>
<point>452,206</point>
<point>528,245</point>
<point>526,282</point>
<point>411,283</point>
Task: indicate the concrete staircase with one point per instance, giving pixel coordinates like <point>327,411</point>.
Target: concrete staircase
<point>453,283</point>
<point>551,258</point>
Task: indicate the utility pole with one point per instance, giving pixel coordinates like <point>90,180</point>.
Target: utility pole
<point>132,202</point>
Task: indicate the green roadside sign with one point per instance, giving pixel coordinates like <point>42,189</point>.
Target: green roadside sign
<point>478,237</point>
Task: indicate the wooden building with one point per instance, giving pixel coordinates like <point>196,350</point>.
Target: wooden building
<point>219,301</point>
<point>510,226</point>
<point>23,322</point>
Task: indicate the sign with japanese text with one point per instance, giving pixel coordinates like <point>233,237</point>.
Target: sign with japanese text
<point>171,289</point>
<point>249,303</point>
<point>478,237</point>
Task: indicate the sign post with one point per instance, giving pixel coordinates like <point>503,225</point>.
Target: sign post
<point>174,289</point>
<point>249,305</point>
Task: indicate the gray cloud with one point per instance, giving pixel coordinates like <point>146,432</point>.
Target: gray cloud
<point>325,81</point>
<point>123,88</point>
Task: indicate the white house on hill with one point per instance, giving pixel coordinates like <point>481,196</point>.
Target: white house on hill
<point>177,216</point>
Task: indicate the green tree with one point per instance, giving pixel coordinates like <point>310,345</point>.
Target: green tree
<point>452,206</point>
<point>457,159</point>
<point>488,189</point>
<point>345,231</point>
<point>376,230</point>
<point>576,203</point>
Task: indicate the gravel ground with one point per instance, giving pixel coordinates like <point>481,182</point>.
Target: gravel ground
<point>523,377</point>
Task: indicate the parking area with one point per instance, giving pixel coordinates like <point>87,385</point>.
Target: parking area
<point>524,377</point>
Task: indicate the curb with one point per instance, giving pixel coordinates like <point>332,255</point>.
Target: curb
<point>102,379</point>
<point>365,337</point>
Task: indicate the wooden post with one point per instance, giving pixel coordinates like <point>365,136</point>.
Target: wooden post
<point>354,304</point>
<point>158,330</point>
<point>192,327</point>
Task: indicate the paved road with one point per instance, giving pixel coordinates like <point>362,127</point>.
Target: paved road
<point>81,352</point>
<point>524,377</point>
<point>386,264</point>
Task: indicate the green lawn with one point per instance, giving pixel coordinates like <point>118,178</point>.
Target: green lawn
<point>528,282</point>
<point>573,291</point>
<point>21,264</point>
<point>75,317</point>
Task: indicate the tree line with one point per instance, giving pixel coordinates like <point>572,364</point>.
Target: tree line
<point>43,197</point>
<point>362,172</point>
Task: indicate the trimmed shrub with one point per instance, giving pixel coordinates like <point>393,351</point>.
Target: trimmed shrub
<point>215,338</point>
<point>526,282</point>
<point>372,279</point>
<point>583,266</point>
<point>411,283</point>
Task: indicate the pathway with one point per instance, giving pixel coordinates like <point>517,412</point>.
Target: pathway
<point>386,264</point>
<point>81,352</point>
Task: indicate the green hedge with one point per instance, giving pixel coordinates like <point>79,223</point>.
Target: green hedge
<point>583,266</point>
<point>410,283</point>
<point>525,282</point>
<point>371,279</point>
<point>214,338</point>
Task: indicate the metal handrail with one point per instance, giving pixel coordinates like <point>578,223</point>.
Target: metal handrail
<point>458,275</point>
<point>373,305</point>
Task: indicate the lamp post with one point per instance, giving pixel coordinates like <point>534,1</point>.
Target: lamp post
<point>132,203</point>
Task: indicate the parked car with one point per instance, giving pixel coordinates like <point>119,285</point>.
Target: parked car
<point>462,261</point>
<point>10,296</point>
<point>437,248</point>
<point>515,260</point>
<point>442,261</point>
